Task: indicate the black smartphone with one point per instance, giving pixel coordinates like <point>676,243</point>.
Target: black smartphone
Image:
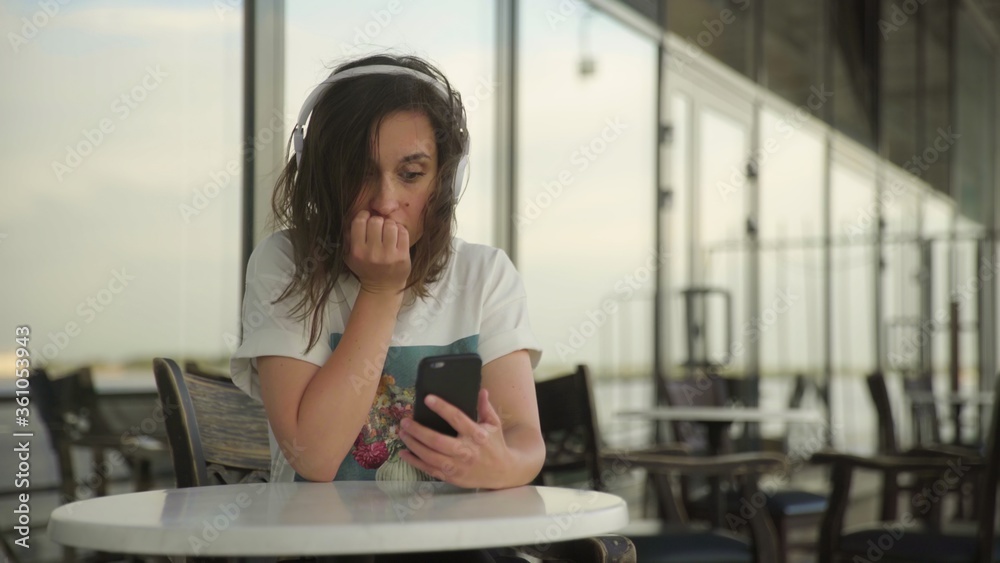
<point>456,379</point>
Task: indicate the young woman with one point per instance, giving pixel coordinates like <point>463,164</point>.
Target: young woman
<point>366,278</point>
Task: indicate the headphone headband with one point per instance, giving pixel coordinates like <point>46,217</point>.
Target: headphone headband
<point>298,133</point>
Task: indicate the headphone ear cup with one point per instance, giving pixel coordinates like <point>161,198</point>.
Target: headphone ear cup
<point>460,171</point>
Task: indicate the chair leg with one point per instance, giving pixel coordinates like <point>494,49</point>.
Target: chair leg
<point>102,482</point>
<point>781,525</point>
<point>143,475</point>
<point>67,482</point>
<point>890,496</point>
<point>67,486</point>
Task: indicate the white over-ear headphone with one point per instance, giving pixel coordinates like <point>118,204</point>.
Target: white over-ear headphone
<point>298,134</point>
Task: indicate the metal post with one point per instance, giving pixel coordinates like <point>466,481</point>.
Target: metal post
<point>505,200</point>
<point>249,75</point>
<point>926,328</point>
<point>828,225</point>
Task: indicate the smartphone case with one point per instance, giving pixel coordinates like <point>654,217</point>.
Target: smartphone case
<point>456,379</point>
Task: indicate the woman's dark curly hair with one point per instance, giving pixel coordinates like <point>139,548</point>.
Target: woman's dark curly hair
<point>312,199</point>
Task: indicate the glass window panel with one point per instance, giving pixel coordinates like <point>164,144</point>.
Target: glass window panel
<point>791,227</point>
<point>723,146</point>
<point>900,199</point>
<point>586,190</point>
<point>321,34</point>
<point>852,282</point>
<point>791,176</point>
<point>853,193</point>
<point>123,145</point>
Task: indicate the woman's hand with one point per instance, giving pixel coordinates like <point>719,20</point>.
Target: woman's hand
<point>379,253</point>
<point>477,458</point>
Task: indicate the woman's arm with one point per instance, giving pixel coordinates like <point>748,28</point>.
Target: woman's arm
<point>504,449</point>
<point>316,413</point>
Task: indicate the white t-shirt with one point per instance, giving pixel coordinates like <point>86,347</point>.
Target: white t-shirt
<point>478,305</point>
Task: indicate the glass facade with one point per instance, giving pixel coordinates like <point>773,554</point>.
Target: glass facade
<point>587,105</point>
<point>781,175</point>
<point>791,231</point>
<point>122,159</point>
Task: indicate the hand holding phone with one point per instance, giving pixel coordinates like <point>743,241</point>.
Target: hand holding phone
<point>454,378</point>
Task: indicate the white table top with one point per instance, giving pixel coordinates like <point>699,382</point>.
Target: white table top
<point>982,398</point>
<point>345,517</point>
<point>724,414</point>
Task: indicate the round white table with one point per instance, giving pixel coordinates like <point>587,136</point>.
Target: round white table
<point>339,518</point>
<point>724,414</point>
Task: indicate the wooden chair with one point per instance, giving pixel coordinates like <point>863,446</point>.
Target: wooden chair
<point>902,541</point>
<point>799,386</point>
<point>569,426</point>
<point>708,390</point>
<point>790,509</point>
<point>893,484</point>
<point>218,435</point>
<point>923,415</point>
<point>73,414</point>
<point>75,417</point>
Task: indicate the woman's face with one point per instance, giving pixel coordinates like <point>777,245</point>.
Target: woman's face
<point>406,157</point>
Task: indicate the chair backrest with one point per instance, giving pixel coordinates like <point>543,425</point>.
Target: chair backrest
<point>569,427</point>
<point>924,414</point>
<point>217,434</point>
<point>708,390</point>
<point>990,482</point>
<point>68,408</point>
<point>879,392</point>
<point>799,385</point>
<point>68,404</point>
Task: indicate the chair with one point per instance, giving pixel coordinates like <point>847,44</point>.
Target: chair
<point>888,445</point>
<point>72,412</point>
<point>76,417</point>
<point>923,414</point>
<point>790,509</point>
<point>709,390</point>
<point>896,541</point>
<point>799,386</point>
<point>569,427</point>
<point>218,435</point>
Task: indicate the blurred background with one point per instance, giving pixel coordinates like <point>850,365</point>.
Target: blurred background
<point>774,187</point>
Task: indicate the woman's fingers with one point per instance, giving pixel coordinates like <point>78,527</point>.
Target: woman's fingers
<point>455,417</point>
<point>403,240</point>
<point>379,253</point>
<point>390,232</point>
<point>359,228</point>
<point>374,232</point>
